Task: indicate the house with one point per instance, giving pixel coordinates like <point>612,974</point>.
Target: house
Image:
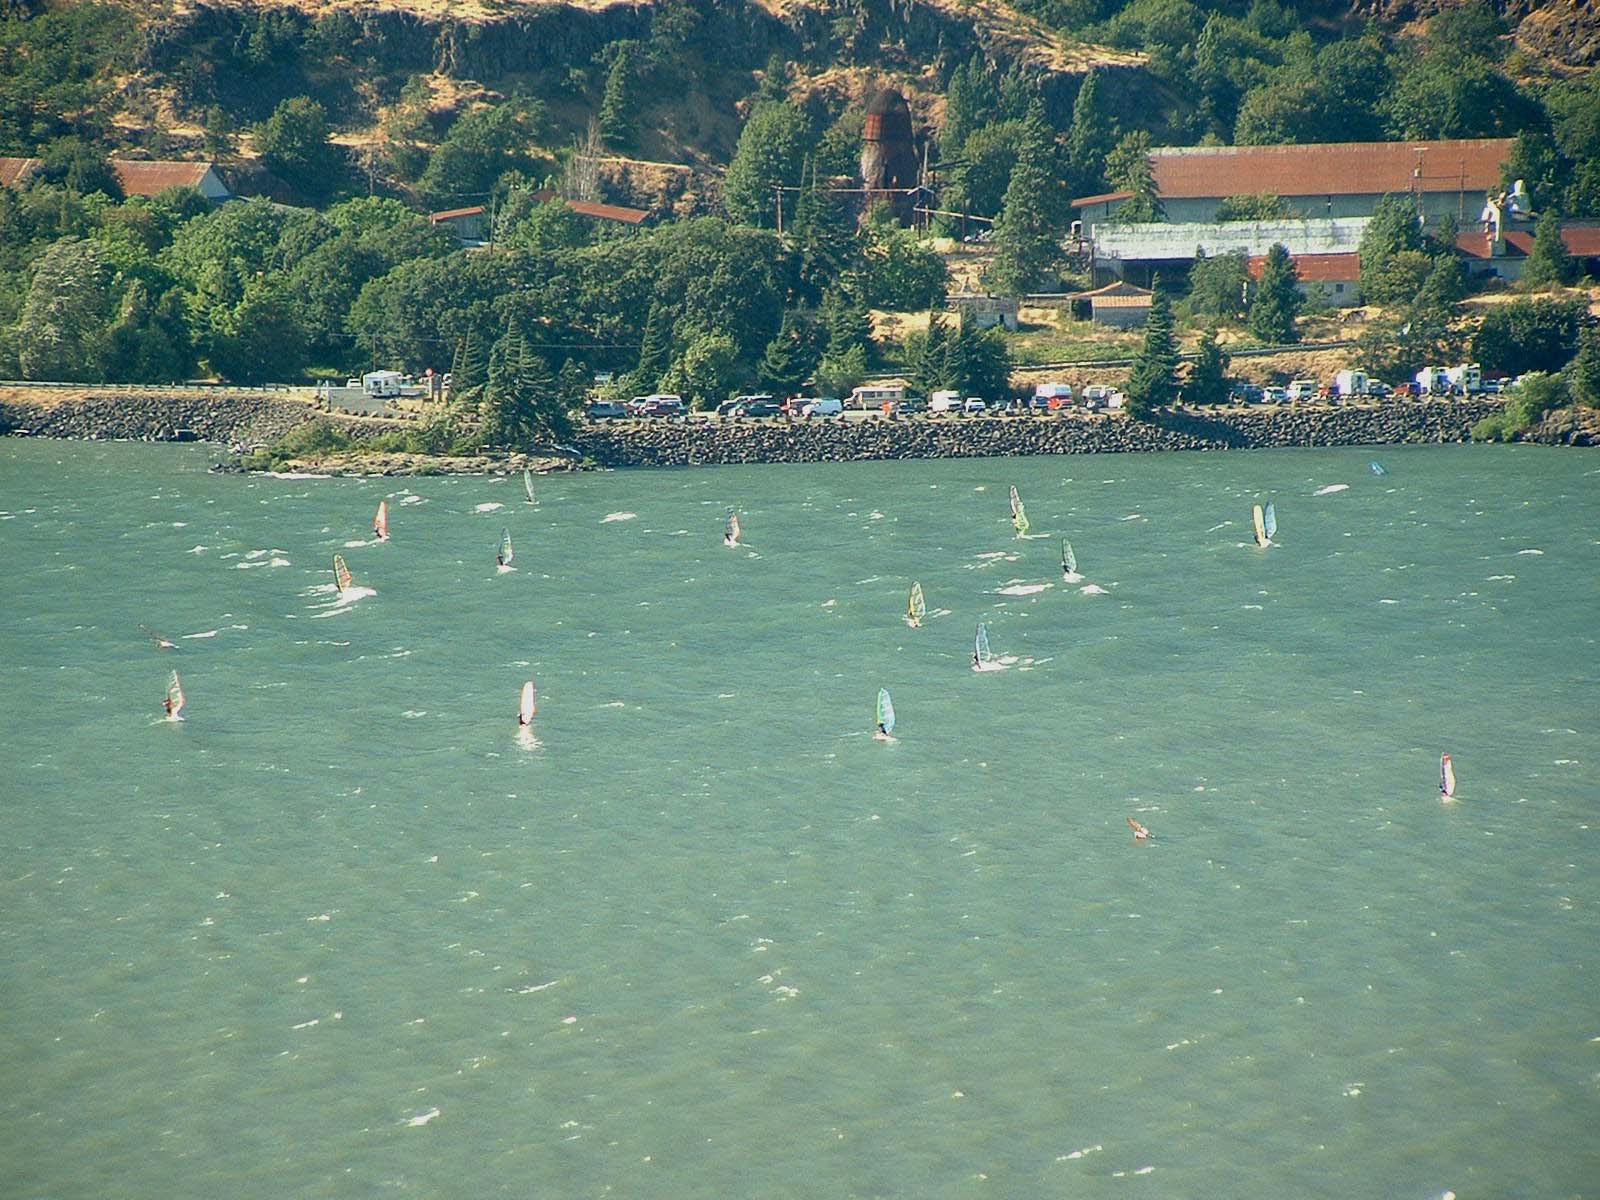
<point>14,172</point>
<point>1505,240</point>
<point>1140,251</point>
<point>137,177</point>
<point>1118,305</point>
<point>618,213</point>
<point>1323,279</point>
<point>141,177</point>
<point>1327,179</point>
<point>984,311</point>
<point>470,225</point>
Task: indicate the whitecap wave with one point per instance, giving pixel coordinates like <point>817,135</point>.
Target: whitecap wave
<point>488,506</point>
<point>1023,589</point>
<point>1331,489</point>
<point>617,516</point>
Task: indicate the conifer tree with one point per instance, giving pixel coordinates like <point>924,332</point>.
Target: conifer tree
<point>1090,139</point>
<point>1208,377</point>
<point>1583,373</point>
<point>966,105</point>
<point>655,350</point>
<point>1027,234</point>
<point>960,357</point>
<point>618,106</point>
<point>1277,300</point>
<point>848,325</point>
<point>469,369</point>
<point>1153,381</point>
<point>1548,263</point>
<point>789,357</point>
<point>1128,169</point>
<point>825,243</point>
<point>928,370</point>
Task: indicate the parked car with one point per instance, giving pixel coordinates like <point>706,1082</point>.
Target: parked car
<point>974,405</point>
<point>1302,389</point>
<point>1273,395</point>
<point>665,406</point>
<point>1246,393</point>
<point>822,406</point>
<point>944,402</point>
<point>758,408</point>
<point>604,408</point>
<point>1406,389</point>
<point>911,405</point>
<point>1377,388</point>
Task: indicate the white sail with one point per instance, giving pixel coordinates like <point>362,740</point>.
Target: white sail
<point>1069,560</point>
<point>980,645</point>
<point>1447,777</point>
<point>529,704</point>
<point>527,484</point>
<point>175,699</point>
<point>1270,521</point>
<point>503,554</point>
<point>730,532</point>
<point>885,711</point>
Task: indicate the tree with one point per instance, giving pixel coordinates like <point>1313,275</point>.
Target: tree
<point>294,143</point>
<point>1539,334</point>
<point>655,351</point>
<point>520,403</point>
<point>899,272</point>
<point>1217,286</point>
<point>1398,346</point>
<point>979,181</point>
<point>1538,162</point>
<point>1397,280</point>
<point>469,369</point>
<point>1128,169</point>
<point>80,167</point>
<point>1090,138</point>
<point>1526,403</point>
<point>771,151</point>
<point>1208,381</point>
<point>927,356</point>
<point>977,362</point>
<point>1446,284</point>
<point>1548,263</point>
<point>790,357</point>
<point>968,105</point>
<point>1393,229</point>
<point>1473,29</point>
<point>1027,234</point>
<point>1264,206</point>
<point>219,132</point>
<point>619,104</point>
<point>481,147</point>
<point>149,341</point>
<point>260,339</point>
<point>1277,300</point>
<point>840,372</point>
<point>1153,379</point>
<point>1447,95</point>
<point>62,330</point>
<point>1583,373</point>
<point>706,372</point>
<point>826,244</point>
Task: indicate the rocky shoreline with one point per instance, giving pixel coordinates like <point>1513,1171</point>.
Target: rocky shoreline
<point>698,442</point>
<point>666,443</point>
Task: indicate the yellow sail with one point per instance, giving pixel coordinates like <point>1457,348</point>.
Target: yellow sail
<point>1261,528</point>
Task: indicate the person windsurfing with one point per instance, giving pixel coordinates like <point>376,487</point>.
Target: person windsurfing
<point>1140,833</point>
<point>161,642</point>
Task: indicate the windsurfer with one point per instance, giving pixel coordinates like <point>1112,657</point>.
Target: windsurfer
<point>882,734</point>
<point>1140,833</point>
<point>166,703</point>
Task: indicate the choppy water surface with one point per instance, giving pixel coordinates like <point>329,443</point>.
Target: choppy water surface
<point>342,933</point>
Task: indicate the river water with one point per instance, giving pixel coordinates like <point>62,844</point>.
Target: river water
<point>342,932</point>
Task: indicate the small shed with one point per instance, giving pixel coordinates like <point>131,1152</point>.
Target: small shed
<point>468,224</point>
<point>984,311</point>
<point>1118,305</point>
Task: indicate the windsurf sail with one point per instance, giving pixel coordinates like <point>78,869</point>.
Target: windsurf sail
<point>730,533</point>
<point>1270,521</point>
<point>1260,523</point>
<point>916,606</point>
<point>1377,467</point>
<point>885,711</point>
<point>980,645</point>
<point>527,484</point>
<point>1447,775</point>
<point>529,705</point>
<point>175,701</point>
<point>380,523</point>
<point>341,573</point>
<point>1019,515</point>
<point>1069,560</point>
<point>503,553</point>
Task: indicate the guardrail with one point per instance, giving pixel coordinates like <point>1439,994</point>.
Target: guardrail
<point>155,387</point>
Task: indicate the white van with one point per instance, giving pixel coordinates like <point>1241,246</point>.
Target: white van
<point>1302,389</point>
<point>823,406</point>
<point>944,402</point>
